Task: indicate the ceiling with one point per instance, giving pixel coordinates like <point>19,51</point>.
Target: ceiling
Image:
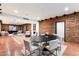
<point>39,11</point>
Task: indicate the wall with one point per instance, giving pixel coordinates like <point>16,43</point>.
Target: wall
<point>0,25</point>
<point>26,27</point>
<point>6,27</point>
<point>47,26</point>
<point>71,26</point>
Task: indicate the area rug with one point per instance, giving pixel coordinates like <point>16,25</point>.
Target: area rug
<point>61,52</point>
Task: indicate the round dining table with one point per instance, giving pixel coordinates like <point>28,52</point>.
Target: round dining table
<point>42,41</point>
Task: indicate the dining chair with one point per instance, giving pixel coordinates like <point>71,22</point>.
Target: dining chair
<point>60,41</point>
<point>29,48</point>
<point>53,46</point>
<point>38,41</point>
<point>33,39</point>
<point>27,33</point>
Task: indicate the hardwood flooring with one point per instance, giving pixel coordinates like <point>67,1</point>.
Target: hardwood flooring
<point>71,50</point>
<point>8,46</point>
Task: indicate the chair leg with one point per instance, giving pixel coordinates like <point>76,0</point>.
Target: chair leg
<point>56,52</point>
<point>32,53</point>
<point>25,53</point>
<point>51,52</point>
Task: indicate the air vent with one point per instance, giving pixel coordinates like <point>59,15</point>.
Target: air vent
<point>25,18</point>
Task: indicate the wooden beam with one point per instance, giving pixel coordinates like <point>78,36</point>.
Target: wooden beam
<point>74,12</point>
<point>65,15</point>
<point>46,19</point>
<point>56,17</point>
<point>50,18</point>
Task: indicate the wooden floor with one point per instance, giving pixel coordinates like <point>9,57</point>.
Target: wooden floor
<point>71,50</point>
<point>8,46</point>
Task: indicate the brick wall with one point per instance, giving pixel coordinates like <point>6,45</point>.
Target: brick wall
<point>71,26</point>
<point>47,26</point>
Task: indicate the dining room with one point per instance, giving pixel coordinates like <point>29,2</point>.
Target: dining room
<point>44,29</point>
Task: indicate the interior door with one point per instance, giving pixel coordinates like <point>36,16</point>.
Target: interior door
<point>60,29</point>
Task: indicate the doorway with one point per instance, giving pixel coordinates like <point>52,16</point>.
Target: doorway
<point>60,29</point>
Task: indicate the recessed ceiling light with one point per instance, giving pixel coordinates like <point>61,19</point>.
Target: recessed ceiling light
<point>16,11</point>
<point>66,9</point>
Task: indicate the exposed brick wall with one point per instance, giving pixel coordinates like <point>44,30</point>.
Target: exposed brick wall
<point>71,24</point>
<point>72,27</point>
<point>47,26</point>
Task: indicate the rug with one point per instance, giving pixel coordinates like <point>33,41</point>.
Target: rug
<point>59,52</point>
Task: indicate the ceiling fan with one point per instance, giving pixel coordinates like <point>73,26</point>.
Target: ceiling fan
<point>25,18</point>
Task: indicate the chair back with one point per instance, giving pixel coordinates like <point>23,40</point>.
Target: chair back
<point>60,39</point>
<point>27,33</point>
<point>53,44</point>
<point>33,38</point>
<point>27,45</point>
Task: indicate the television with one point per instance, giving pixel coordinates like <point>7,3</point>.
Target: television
<point>12,28</point>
